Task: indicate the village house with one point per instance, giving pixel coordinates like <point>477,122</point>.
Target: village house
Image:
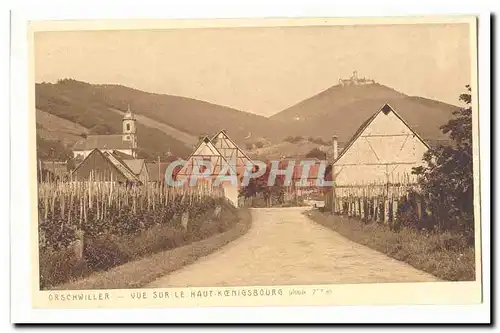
<point>126,142</point>
<point>383,148</point>
<point>52,170</point>
<point>304,180</point>
<point>106,166</point>
<point>383,151</point>
<point>139,168</point>
<point>224,158</point>
<point>231,152</point>
<point>156,171</point>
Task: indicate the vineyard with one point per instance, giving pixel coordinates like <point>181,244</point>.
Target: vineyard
<point>379,202</point>
<point>91,222</point>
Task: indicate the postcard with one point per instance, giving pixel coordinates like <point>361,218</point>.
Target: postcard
<point>254,162</point>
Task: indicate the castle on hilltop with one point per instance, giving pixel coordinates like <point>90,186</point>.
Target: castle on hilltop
<point>355,81</point>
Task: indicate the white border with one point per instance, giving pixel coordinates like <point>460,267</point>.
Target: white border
<point>20,226</point>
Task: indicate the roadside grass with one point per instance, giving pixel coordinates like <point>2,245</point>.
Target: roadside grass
<point>445,255</point>
<point>127,261</point>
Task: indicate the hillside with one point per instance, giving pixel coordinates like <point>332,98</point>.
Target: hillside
<point>64,111</point>
<point>286,150</point>
<point>52,127</point>
<point>192,116</point>
<point>341,110</point>
<point>70,108</point>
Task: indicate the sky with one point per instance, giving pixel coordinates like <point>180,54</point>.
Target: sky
<point>262,70</point>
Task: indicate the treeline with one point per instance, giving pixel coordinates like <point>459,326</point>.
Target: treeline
<point>298,138</point>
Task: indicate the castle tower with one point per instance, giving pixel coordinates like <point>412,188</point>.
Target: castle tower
<point>130,128</point>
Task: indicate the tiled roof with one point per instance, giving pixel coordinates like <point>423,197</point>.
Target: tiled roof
<point>135,165</point>
<point>120,165</point>
<point>313,170</point>
<point>112,141</point>
<point>122,156</point>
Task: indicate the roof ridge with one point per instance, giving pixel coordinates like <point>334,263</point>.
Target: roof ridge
<point>386,108</point>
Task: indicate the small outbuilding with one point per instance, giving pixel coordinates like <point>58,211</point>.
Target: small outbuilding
<point>104,166</point>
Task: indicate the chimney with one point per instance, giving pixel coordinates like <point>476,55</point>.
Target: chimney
<point>335,145</point>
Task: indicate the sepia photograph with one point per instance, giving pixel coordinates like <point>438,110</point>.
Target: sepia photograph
<point>255,164</point>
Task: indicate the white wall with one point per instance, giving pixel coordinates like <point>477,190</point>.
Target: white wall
<point>231,193</point>
<point>386,150</point>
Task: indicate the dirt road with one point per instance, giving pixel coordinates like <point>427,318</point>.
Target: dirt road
<point>284,247</point>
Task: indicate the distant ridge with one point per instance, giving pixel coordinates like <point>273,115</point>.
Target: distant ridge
<point>170,124</point>
<point>339,110</point>
<point>97,106</point>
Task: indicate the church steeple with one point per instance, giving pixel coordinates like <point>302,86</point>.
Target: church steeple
<point>128,114</point>
<point>129,127</point>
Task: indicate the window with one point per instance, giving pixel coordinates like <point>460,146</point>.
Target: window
<point>128,127</point>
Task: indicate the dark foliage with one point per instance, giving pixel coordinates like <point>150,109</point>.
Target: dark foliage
<point>294,139</point>
<point>447,177</point>
<point>316,153</point>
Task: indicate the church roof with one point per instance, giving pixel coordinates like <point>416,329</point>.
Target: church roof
<point>112,141</point>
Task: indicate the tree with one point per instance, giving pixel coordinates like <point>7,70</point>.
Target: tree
<point>259,186</point>
<point>447,178</point>
<point>316,153</point>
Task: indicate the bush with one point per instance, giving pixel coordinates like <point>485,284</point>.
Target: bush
<point>58,266</point>
<point>446,179</point>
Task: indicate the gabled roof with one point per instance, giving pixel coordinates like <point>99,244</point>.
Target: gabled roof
<point>112,141</point>
<point>135,165</point>
<point>122,156</point>
<point>214,151</point>
<point>235,146</point>
<point>386,109</point>
<point>118,164</point>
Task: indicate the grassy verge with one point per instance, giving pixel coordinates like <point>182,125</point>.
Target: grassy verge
<point>445,255</point>
<point>140,272</point>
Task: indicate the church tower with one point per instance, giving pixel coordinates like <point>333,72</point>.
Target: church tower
<point>130,128</point>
